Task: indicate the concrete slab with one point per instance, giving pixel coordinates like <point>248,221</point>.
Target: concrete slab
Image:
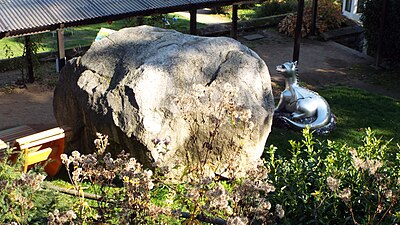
<point>321,63</point>
<point>252,37</point>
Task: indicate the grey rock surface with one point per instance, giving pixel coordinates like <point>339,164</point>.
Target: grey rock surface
<point>169,99</point>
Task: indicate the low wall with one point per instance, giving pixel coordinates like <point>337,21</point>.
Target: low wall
<point>351,36</point>
<point>225,28</point>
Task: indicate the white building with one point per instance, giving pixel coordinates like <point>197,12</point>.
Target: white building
<point>352,9</point>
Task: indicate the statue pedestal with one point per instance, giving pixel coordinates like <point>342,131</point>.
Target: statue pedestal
<point>280,120</point>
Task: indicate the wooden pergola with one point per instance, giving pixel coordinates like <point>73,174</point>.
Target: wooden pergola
<point>27,17</point>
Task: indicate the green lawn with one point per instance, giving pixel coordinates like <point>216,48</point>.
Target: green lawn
<point>355,110</point>
<point>84,35</point>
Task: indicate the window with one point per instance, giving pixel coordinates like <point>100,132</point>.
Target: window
<point>360,6</point>
<point>347,6</point>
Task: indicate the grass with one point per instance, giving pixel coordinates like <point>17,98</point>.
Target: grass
<point>382,78</point>
<point>84,35</point>
<point>355,110</point>
<point>246,14</point>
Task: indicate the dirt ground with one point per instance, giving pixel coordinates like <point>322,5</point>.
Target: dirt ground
<point>321,64</point>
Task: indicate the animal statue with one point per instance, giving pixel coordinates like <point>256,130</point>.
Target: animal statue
<point>305,107</point>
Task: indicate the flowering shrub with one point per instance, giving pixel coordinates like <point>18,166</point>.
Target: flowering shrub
<point>332,184</point>
<point>323,183</point>
<point>243,199</point>
<point>129,204</point>
<point>329,17</point>
<point>200,191</point>
<point>19,192</point>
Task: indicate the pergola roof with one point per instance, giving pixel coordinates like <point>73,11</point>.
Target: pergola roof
<point>20,17</point>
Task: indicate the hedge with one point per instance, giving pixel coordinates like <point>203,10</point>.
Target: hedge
<point>371,17</point>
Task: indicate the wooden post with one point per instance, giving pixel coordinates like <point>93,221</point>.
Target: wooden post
<point>314,17</point>
<point>297,34</point>
<point>378,60</point>
<point>28,49</point>
<point>61,59</point>
<point>193,21</point>
<point>234,25</point>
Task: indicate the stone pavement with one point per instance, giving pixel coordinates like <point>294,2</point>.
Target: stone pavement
<point>320,63</point>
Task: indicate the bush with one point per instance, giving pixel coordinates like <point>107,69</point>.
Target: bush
<point>22,198</point>
<point>327,183</point>
<point>321,183</point>
<point>329,17</point>
<point>371,20</point>
<point>276,7</point>
<point>125,191</point>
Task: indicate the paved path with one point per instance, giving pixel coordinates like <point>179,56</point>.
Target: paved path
<point>32,106</point>
<point>320,63</point>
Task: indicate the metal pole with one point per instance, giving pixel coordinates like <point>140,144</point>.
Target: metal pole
<point>193,21</point>
<point>28,48</point>
<point>381,35</point>
<point>61,59</point>
<point>234,26</point>
<point>314,17</point>
<point>297,34</point>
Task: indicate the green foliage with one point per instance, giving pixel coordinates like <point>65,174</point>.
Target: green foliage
<point>329,16</point>
<point>12,52</point>
<point>371,17</point>
<point>22,200</point>
<point>330,183</point>
<point>276,7</point>
<point>320,182</point>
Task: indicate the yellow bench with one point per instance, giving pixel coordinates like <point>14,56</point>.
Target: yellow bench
<point>8,137</point>
<point>44,147</point>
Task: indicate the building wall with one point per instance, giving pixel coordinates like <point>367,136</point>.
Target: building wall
<point>350,8</point>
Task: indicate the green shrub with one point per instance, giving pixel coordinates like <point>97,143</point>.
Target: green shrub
<point>22,198</point>
<point>327,183</point>
<point>371,17</point>
<point>329,17</point>
<point>320,183</point>
<point>276,7</point>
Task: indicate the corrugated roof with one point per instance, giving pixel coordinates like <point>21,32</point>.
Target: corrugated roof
<point>18,17</point>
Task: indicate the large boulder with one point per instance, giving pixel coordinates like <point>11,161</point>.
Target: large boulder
<point>169,99</point>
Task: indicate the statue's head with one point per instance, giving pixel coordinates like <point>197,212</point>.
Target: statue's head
<point>288,69</point>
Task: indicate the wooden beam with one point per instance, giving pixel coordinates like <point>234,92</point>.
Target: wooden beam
<point>119,16</point>
<point>193,21</point>
<point>234,25</point>
<point>28,55</point>
<point>61,59</point>
<point>297,34</point>
<point>314,17</point>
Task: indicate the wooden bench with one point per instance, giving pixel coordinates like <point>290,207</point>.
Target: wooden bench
<point>44,147</point>
<point>8,137</point>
